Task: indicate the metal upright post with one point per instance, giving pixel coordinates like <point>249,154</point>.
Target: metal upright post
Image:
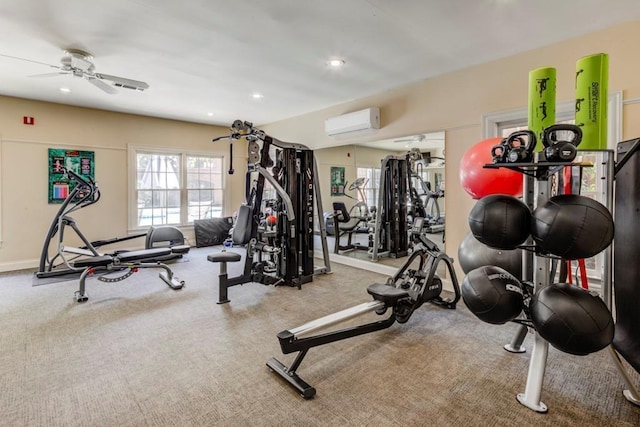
<point>538,363</point>
<point>528,197</point>
<point>608,172</point>
<point>323,231</point>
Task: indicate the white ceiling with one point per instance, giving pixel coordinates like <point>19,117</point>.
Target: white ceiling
<point>201,56</point>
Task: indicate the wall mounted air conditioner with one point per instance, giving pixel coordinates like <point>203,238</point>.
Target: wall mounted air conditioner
<point>353,122</point>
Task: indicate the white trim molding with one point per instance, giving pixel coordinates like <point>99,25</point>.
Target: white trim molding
<point>564,111</point>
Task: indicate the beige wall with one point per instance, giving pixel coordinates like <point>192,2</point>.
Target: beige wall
<point>456,102</point>
<point>25,213</point>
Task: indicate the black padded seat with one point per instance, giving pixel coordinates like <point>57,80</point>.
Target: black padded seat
<point>143,254</point>
<point>386,293</point>
<point>345,221</point>
<point>180,249</point>
<point>94,261</point>
<point>224,257</point>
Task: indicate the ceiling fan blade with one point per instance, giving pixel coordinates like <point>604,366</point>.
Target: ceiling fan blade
<point>102,85</point>
<point>28,60</point>
<point>59,73</point>
<point>123,82</point>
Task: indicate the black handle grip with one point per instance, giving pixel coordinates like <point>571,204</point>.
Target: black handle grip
<point>79,179</point>
<point>549,135</point>
<point>525,138</point>
<point>499,157</point>
<point>231,171</point>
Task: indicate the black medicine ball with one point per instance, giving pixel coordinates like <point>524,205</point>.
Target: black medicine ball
<point>572,226</point>
<point>500,221</point>
<point>572,319</point>
<point>473,254</point>
<point>492,294</point>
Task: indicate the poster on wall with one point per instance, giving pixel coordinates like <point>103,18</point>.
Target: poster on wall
<point>337,181</point>
<point>80,162</point>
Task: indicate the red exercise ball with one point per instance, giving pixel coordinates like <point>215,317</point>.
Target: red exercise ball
<point>479,181</point>
<point>272,220</point>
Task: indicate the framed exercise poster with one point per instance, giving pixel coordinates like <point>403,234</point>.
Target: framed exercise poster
<point>337,181</point>
<point>80,162</point>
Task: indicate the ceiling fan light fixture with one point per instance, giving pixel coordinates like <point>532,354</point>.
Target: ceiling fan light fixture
<point>335,63</point>
<point>79,53</point>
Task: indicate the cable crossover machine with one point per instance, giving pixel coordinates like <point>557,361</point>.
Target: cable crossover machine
<point>285,255</point>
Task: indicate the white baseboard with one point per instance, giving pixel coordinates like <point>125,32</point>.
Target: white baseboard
<point>19,265</point>
<point>373,266</point>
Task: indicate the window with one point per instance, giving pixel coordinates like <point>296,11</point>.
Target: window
<point>175,188</point>
<point>370,189</point>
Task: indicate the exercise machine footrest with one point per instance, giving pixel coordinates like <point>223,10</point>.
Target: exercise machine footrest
<point>305,390</point>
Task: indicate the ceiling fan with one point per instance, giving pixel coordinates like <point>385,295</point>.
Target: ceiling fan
<point>78,63</point>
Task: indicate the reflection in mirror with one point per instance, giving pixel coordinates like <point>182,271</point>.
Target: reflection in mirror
<point>350,177</point>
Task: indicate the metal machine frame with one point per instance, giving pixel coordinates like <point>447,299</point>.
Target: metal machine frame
<point>294,179</point>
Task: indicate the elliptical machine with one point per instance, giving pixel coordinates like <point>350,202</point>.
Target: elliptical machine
<point>360,210</point>
<point>87,260</point>
<point>57,259</point>
<point>403,293</point>
<point>356,220</point>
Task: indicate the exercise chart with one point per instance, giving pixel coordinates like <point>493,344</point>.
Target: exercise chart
<point>80,162</point>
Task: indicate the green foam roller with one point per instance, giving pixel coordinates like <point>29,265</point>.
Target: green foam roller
<point>542,101</point>
<point>592,76</point>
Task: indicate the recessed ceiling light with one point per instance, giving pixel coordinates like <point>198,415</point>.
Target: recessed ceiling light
<point>65,90</point>
<point>335,63</point>
<point>257,95</point>
<point>209,114</point>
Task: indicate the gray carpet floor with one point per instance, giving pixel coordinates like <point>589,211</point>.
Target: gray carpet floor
<point>140,354</point>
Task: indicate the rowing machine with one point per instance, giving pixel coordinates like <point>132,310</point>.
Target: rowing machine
<point>403,293</point>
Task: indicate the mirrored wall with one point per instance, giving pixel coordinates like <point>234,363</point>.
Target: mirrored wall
<point>350,177</point>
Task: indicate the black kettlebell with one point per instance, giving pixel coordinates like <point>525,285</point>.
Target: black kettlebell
<point>523,151</point>
<point>561,150</point>
<point>499,152</point>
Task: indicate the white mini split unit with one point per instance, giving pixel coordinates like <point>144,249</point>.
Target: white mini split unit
<point>353,122</point>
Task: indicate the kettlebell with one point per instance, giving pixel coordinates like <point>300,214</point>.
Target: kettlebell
<point>561,150</point>
<point>523,151</point>
<point>499,152</point>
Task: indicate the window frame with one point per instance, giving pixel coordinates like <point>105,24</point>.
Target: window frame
<point>372,185</point>
<point>493,122</point>
<point>132,208</point>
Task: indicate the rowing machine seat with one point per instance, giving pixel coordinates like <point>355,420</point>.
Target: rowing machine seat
<point>386,293</point>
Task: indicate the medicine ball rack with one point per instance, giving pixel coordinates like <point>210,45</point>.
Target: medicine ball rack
<point>536,265</point>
